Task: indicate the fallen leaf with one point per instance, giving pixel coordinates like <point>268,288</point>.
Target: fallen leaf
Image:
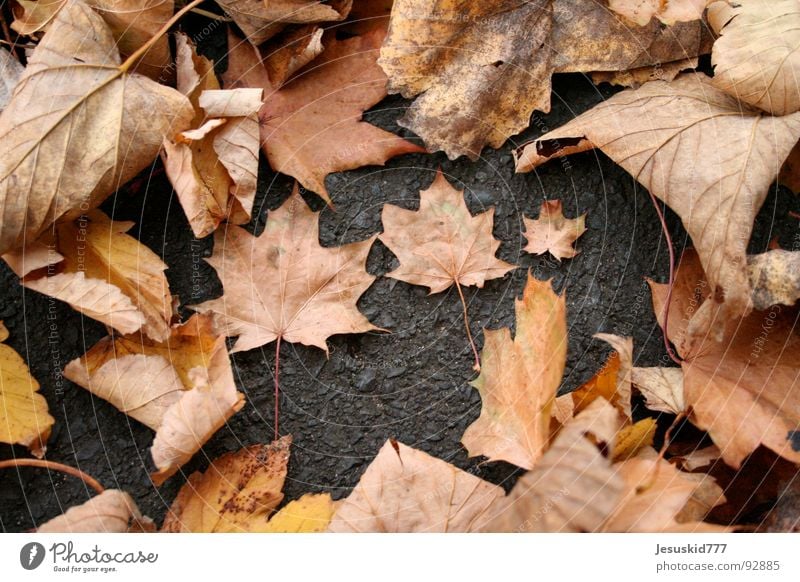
<point>698,458</point>
<point>654,133</point>
<point>290,51</point>
<point>775,277</point>
<point>182,388</point>
<point>60,159</point>
<point>239,493</point>
<point>662,388</point>
<point>744,389</point>
<point>634,438</point>
<point>552,232</point>
<point>100,271</point>
<point>756,57</point>
<point>613,381</point>
<point>10,72</point>
<point>24,418</point>
<point>283,285</point>
<point>405,490</point>
<point>32,16</point>
<point>214,166</point>
<point>112,511</point>
<point>667,11</point>
<point>637,77</point>
<point>519,380</point>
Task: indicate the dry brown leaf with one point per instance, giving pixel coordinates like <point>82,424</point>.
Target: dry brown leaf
<point>312,126</point>
<point>775,277</point>
<point>572,488</point>
<point>112,511</point>
<point>282,285</point>
<point>263,19</point>
<point>757,55</point>
<point>744,389</point>
<point>61,158</point>
<point>552,232</point>
<point>637,77</point>
<point>182,388</point>
<point>10,72</point>
<point>654,133</point>
<point>289,51</point>
<point>406,490</point>
<point>662,388</point>
<point>214,166</point>
<point>519,380</point>
<point>24,417</point>
<point>667,11</point>
<point>100,271</point>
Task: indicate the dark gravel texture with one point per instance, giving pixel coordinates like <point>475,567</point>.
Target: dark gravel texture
<point>412,384</point>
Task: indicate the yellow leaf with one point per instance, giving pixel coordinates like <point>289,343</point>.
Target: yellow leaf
<point>631,439</point>
<point>310,514</point>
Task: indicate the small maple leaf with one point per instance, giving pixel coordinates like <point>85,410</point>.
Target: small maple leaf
<point>442,244</point>
<point>552,232</point>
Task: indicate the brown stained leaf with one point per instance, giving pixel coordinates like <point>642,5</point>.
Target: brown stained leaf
<point>237,493</point>
<point>10,72</point>
<point>406,490</point>
<point>182,388</point>
<point>667,11</point>
<point>61,158</point>
<point>312,125</point>
<point>757,55</point>
<point>662,388</point>
<point>112,511</point>
<point>552,232</point>
<point>655,494</point>
<point>481,68</point>
<point>775,277</point>
<point>24,417</point>
<point>290,51</point>
<point>519,380</point>
<point>654,133</point>
<point>284,285</point>
<point>744,389</point>
<point>100,271</point>
<point>789,175</point>
<point>213,167</point>
<point>260,20</point>
<point>572,488</point>
<point>442,243</point>
<point>635,78</point>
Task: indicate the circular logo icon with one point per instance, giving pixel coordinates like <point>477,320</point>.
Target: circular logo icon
<point>31,555</point>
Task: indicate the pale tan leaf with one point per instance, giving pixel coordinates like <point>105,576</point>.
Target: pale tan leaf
<point>112,511</point>
<point>552,232</point>
<point>667,11</point>
<point>699,458</point>
<point>662,388</point>
<point>406,490</point>
<point>635,78</point>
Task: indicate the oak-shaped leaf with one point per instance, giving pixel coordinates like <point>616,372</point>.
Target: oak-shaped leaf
<point>182,388</point>
<point>406,490</point>
<point>655,133</point>
<point>106,274</point>
<point>552,232</point>
<point>24,418</point>
<point>61,157</point>
<point>519,380</point>
<point>239,493</point>
<point>312,125</point>
<point>112,511</point>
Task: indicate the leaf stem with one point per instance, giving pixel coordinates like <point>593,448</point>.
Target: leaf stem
<point>277,383</point>
<point>53,466</point>
<point>477,365</point>
<point>131,60</point>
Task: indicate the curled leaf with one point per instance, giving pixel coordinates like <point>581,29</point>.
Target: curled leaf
<point>112,511</point>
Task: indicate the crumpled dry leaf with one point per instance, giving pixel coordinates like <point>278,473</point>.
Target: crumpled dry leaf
<point>405,490</point>
<point>667,11</point>
<point>757,55</point>
<point>654,133</point>
<point>283,285</point>
<point>637,77</point>
<point>10,72</point>
<point>239,493</point>
<point>442,243</point>
<point>61,158</point>
<point>263,19</point>
<point>775,277</point>
<point>312,125</point>
<point>288,52</point>
<point>214,166</point>
<point>100,271</point>
<point>744,389</point>
<point>572,488</point>
<point>182,388</point>
<point>519,380</point>
<point>132,22</point>
<point>662,388</point>
<point>552,232</point>
<point>112,511</point>
<point>24,419</point>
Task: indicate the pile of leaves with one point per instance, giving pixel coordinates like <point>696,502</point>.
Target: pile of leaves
<point>92,92</point>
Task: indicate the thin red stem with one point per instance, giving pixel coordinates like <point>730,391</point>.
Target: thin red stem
<point>277,383</point>
<point>53,466</point>
<point>477,365</point>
